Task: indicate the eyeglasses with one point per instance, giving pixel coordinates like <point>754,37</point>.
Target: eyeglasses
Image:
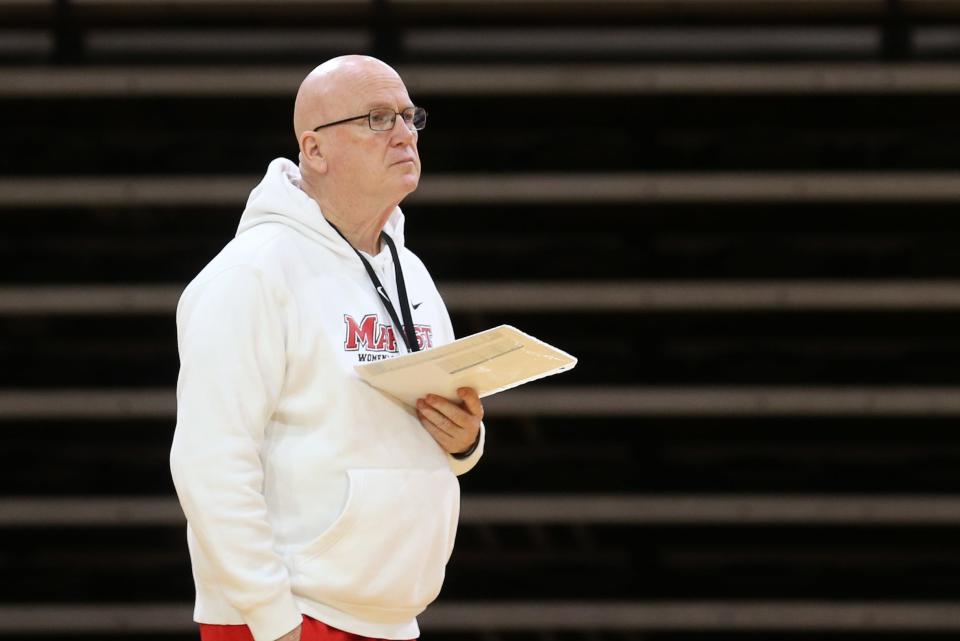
<point>383,119</point>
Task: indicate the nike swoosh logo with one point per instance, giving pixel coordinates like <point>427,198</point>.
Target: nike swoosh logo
<point>416,305</point>
<point>382,293</point>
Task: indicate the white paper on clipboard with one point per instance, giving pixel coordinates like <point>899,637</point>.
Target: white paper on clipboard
<point>490,361</point>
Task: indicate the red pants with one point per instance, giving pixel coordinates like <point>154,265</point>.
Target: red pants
<point>312,630</point>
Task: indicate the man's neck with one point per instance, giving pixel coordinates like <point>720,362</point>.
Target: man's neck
<point>363,231</point>
<point>360,223</point>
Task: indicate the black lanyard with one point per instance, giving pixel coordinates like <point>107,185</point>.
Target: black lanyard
<point>407,331</point>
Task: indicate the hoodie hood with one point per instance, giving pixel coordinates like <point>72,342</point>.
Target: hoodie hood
<point>279,199</point>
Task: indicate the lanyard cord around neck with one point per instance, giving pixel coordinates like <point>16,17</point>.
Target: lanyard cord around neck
<point>407,331</point>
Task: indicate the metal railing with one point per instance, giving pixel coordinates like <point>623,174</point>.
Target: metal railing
<point>232,81</point>
<point>557,401</point>
<point>568,509</point>
<point>544,297</point>
<point>574,188</point>
<point>586,616</point>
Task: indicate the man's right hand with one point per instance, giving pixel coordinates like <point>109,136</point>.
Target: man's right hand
<point>292,635</point>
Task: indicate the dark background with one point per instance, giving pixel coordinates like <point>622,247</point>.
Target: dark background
<point>740,216</point>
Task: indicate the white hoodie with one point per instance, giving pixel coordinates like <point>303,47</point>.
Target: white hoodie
<point>306,490</point>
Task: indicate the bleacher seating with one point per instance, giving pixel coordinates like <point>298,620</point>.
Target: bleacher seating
<point>739,214</point>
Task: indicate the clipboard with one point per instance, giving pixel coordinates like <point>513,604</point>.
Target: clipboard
<point>491,361</point>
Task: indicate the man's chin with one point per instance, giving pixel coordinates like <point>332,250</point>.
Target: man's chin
<point>410,182</point>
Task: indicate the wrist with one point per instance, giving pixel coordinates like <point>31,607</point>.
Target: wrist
<point>470,450</point>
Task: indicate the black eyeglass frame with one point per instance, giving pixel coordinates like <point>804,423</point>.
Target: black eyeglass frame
<point>369,117</point>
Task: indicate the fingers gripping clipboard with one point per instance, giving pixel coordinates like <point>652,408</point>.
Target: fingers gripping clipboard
<point>491,361</point>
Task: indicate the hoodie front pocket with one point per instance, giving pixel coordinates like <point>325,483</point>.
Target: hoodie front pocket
<point>384,557</point>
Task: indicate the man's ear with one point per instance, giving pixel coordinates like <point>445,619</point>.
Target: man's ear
<point>311,152</point>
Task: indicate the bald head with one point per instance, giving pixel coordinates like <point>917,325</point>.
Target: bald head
<point>351,170</point>
<point>328,88</point>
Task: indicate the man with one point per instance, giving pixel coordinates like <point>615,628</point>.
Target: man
<point>315,503</point>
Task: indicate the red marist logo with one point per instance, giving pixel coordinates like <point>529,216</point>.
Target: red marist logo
<point>373,336</point>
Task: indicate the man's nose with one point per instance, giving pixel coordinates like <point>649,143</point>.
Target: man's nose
<point>405,133</point>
